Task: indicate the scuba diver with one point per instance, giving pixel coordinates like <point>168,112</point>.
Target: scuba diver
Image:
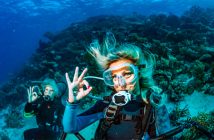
<point>134,108</point>
<point>44,102</point>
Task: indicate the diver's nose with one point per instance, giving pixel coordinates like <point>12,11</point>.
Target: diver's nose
<point>47,92</point>
<point>121,81</point>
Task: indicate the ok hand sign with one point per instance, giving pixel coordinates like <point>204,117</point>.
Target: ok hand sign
<point>32,95</point>
<point>75,88</point>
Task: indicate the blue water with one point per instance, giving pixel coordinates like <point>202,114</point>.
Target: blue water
<point>23,22</point>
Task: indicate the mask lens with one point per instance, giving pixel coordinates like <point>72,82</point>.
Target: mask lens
<point>128,72</point>
<point>108,79</point>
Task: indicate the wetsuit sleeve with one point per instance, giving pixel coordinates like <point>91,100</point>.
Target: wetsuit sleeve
<point>73,123</point>
<point>98,107</point>
<point>162,120</point>
<point>30,109</point>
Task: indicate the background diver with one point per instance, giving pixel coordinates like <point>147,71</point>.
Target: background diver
<point>44,102</point>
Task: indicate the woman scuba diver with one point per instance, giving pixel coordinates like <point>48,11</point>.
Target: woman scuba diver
<point>44,102</point>
<point>133,110</point>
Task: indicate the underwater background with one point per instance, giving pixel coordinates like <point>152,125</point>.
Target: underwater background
<point>48,37</point>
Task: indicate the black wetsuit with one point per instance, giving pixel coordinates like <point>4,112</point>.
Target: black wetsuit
<point>48,117</point>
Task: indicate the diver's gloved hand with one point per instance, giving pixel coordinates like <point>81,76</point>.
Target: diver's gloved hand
<point>32,94</point>
<point>76,88</point>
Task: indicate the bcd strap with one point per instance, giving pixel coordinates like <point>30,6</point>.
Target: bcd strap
<point>111,116</point>
<point>111,111</point>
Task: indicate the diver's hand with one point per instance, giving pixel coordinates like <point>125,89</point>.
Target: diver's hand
<point>75,88</point>
<point>32,96</point>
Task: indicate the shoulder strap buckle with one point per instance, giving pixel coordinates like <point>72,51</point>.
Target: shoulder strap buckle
<point>110,112</point>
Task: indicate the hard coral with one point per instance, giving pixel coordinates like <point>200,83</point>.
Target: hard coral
<point>206,121</point>
<point>14,118</point>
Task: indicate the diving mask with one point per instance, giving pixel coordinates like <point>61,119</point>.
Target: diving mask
<point>49,93</point>
<point>128,74</point>
<point>120,98</point>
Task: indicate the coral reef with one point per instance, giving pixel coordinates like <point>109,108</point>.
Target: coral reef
<point>13,118</point>
<point>206,121</point>
<point>178,114</point>
<point>3,136</point>
<point>183,47</point>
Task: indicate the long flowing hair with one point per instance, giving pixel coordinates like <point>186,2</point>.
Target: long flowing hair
<point>110,52</point>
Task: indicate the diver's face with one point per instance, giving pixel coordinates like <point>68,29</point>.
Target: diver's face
<point>123,77</point>
<point>49,92</point>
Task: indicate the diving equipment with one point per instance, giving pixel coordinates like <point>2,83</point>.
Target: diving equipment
<point>47,97</point>
<point>129,74</point>
<point>121,98</point>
